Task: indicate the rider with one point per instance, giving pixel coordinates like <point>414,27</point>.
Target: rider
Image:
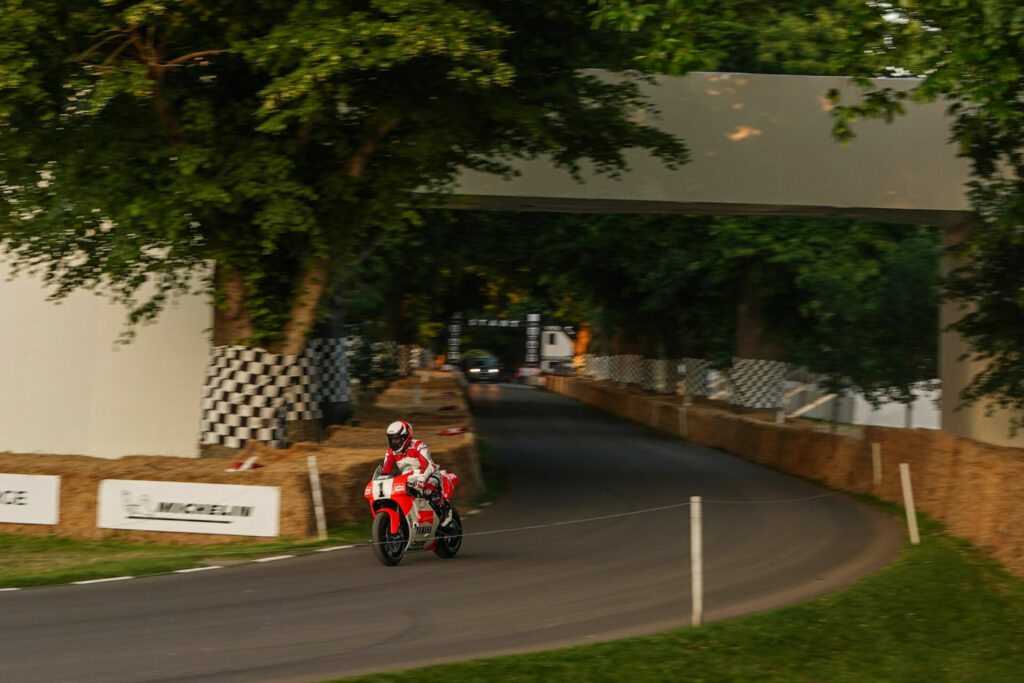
<point>410,455</point>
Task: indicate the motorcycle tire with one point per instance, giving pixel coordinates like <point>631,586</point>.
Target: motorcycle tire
<point>449,539</point>
<point>389,547</point>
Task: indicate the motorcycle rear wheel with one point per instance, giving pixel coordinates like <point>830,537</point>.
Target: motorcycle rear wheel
<point>449,539</point>
<point>388,547</point>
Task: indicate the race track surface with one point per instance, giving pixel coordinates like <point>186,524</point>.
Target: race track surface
<point>525,579</point>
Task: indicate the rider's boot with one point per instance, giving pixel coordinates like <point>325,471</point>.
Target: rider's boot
<point>446,515</point>
<point>442,508</point>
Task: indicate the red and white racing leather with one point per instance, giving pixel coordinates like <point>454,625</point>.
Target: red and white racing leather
<point>416,459</point>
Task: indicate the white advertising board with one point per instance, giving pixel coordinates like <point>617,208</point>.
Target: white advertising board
<point>189,508</point>
<point>29,498</point>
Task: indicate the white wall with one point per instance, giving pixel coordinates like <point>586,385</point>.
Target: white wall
<point>67,388</point>
<point>925,414</point>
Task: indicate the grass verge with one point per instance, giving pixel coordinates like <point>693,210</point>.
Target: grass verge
<point>942,612</point>
<point>46,560</point>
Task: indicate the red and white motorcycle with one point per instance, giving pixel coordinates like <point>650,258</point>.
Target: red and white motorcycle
<point>404,522</point>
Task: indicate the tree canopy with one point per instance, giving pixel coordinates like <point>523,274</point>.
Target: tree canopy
<point>967,54</point>
<point>854,301</point>
<point>140,141</point>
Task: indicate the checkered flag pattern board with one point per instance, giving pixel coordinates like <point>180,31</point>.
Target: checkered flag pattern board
<point>697,370</point>
<point>661,375</point>
<point>628,369</point>
<point>597,367</point>
<point>331,364</point>
<point>251,393</point>
<point>757,383</point>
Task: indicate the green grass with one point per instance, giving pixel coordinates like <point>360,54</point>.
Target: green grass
<point>942,612</point>
<point>46,560</point>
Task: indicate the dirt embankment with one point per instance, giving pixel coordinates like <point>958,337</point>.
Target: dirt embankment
<point>345,460</point>
<point>976,489</point>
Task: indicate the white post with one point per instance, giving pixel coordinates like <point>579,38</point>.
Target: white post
<point>696,561</point>
<point>416,396</point>
<point>780,416</point>
<point>318,498</point>
<point>876,464</point>
<point>908,503</point>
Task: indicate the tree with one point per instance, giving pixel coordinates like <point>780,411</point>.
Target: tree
<point>854,301</point>
<point>140,141</point>
<point>786,37</point>
<point>968,54</point>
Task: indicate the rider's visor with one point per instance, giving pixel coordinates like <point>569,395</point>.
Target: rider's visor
<point>396,441</point>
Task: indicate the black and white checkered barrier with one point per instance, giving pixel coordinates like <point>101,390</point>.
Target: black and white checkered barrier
<point>330,360</point>
<point>750,383</point>
<point>420,358</point>
<point>757,383</point>
<point>662,375</point>
<point>251,393</point>
<point>697,370</point>
<point>627,369</point>
<point>651,374</point>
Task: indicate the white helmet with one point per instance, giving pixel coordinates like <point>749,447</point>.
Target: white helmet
<point>399,436</point>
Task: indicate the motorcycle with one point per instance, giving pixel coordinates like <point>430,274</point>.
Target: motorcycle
<point>404,521</point>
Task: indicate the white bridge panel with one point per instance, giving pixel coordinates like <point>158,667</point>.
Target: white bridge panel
<point>762,144</point>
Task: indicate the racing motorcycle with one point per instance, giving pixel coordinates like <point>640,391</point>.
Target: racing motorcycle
<point>403,520</point>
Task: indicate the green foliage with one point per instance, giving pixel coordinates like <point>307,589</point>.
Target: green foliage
<point>788,37</point>
<point>49,560</point>
<point>855,301</point>
<point>140,141</point>
<point>968,54</point>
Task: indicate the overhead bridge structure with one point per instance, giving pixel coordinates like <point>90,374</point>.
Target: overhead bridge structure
<point>760,145</point>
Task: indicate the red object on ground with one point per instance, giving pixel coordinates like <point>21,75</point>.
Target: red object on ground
<point>238,465</point>
<point>452,431</point>
<point>451,407</point>
<point>448,393</point>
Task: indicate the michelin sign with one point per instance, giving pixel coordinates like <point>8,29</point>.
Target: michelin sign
<point>189,508</point>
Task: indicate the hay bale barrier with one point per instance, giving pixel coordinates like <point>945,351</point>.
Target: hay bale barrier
<point>975,489</point>
<point>346,460</point>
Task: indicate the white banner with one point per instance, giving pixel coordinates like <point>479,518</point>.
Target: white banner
<point>29,498</point>
<point>189,508</point>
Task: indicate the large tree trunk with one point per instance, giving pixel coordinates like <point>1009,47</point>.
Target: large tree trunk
<point>754,337</point>
<point>231,322</point>
<point>758,373</point>
<point>304,309</point>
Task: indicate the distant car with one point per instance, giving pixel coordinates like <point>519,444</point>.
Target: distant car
<point>484,369</point>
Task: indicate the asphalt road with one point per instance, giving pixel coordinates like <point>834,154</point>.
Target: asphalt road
<point>531,574</point>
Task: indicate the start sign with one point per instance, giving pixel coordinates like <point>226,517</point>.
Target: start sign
<point>29,498</point>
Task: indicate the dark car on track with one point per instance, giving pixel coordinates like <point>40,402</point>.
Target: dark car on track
<point>483,369</point>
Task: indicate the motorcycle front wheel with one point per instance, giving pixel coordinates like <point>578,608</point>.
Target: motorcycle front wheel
<point>389,547</point>
<point>449,539</point>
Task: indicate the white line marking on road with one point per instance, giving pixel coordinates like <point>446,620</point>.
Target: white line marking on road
<point>271,559</point>
<point>113,578</point>
<point>4,590</point>
<point>197,569</point>
<point>333,547</point>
